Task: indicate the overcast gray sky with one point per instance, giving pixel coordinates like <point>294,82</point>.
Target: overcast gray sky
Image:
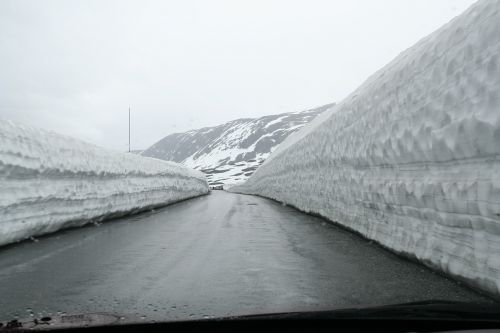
<point>76,66</point>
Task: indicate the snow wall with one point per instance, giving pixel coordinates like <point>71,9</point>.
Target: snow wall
<point>411,159</point>
<point>49,182</point>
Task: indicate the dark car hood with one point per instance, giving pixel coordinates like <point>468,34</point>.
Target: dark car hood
<point>436,311</point>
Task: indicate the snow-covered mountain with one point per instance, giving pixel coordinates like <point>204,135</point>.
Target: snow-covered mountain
<point>231,152</point>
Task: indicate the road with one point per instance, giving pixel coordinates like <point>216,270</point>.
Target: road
<point>216,255</point>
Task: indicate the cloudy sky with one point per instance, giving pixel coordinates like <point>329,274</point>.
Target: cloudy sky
<point>76,66</point>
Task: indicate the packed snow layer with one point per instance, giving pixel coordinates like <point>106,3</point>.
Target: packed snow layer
<point>411,159</point>
<point>49,181</point>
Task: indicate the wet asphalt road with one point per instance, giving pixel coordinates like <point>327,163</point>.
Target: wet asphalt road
<point>215,255</point>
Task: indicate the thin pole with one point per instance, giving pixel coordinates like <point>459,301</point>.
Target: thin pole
<point>129,129</point>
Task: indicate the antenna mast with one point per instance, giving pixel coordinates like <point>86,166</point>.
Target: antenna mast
<point>129,129</point>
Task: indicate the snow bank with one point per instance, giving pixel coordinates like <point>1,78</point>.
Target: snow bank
<point>411,159</point>
<point>49,181</point>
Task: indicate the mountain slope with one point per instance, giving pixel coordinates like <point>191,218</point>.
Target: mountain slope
<point>231,152</point>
